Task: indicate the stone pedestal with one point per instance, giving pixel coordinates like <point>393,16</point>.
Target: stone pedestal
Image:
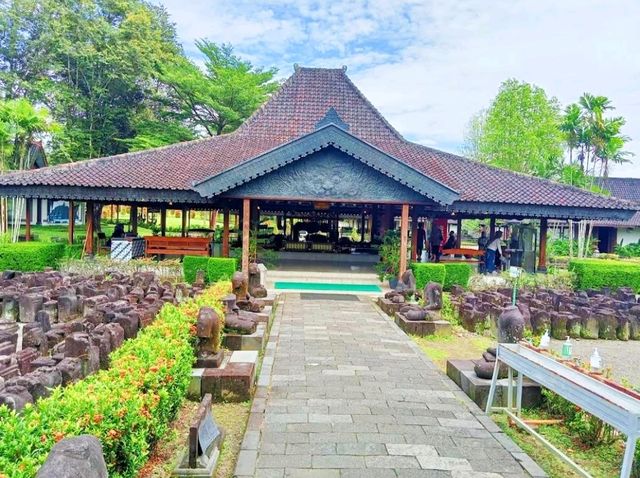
<point>255,341</point>
<point>423,327</point>
<point>477,389</point>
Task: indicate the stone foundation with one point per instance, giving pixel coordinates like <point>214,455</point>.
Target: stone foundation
<point>423,327</point>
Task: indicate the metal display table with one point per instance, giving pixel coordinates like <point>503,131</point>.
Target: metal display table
<point>615,407</point>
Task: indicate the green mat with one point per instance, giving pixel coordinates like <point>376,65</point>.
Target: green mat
<point>325,286</point>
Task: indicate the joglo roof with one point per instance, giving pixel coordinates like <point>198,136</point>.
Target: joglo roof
<point>321,105</point>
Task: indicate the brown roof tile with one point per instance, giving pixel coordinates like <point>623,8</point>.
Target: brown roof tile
<point>302,101</point>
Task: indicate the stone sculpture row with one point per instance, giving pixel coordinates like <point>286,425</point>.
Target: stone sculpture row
<point>58,328</point>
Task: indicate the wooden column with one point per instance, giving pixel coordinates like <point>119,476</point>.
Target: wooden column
<point>225,233</point>
<point>459,233</point>
<point>184,222</point>
<point>246,227</point>
<point>414,238</point>
<point>88,249</point>
<point>39,212</point>
<point>213,218</point>
<point>542,257</point>
<point>492,228</point>
<point>27,219</point>
<point>163,221</point>
<point>134,219</point>
<point>118,213</point>
<point>362,226</point>
<point>72,221</point>
<point>404,233</point>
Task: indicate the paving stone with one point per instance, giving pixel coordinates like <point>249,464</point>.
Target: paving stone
<point>346,394</point>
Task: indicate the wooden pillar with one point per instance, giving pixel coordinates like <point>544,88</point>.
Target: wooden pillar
<point>118,213</point>
<point>459,234</point>
<point>414,238</point>
<point>184,221</point>
<point>72,221</point>
<point>246,227</point>
<point>163,221</point>
<point>133,217</point>
<point>492,228</point>
<point>111,212</point>
<point>542,257</point>
<point>225,233</point>
<point>88,248</point>
<point>27,219</point>
<point>39,212</point>
<point>404,233</point>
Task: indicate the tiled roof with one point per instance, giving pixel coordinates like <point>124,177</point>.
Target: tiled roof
<point>303,100</point>
<point>622,188</point>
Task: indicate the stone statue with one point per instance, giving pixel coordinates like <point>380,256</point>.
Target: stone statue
<point>433,296</point>
<point>510,331</point>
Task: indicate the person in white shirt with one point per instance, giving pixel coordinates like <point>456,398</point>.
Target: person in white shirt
<point>493,248</point>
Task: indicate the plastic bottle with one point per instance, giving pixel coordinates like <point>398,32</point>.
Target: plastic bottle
<point>545,340</point>
<point>566,349</point>
<point>595,361</point>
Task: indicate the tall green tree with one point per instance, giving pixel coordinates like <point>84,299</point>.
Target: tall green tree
<point>91,62</point>
<point>519,131</point>
<point>218,99</point>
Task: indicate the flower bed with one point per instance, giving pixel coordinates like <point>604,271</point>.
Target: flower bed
<point>128,406</point>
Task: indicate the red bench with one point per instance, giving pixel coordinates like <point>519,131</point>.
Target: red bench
<point>177,246</point>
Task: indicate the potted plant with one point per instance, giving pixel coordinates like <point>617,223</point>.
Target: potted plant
<point>388,268</point>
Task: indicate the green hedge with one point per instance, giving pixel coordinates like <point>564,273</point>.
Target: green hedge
<point>428,272</point>
<point>220,268</point>
<point>30,256</point>
<point>191,265</point>
<point>456,274</point>
<point>216,268</point>
<point>598,273</point>
<point>127,407</point>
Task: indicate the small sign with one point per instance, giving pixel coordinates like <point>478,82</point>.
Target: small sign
<point>515,271</point>
<point>208,432</point>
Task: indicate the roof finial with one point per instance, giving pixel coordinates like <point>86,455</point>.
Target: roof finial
<point>296,67</point>
<point>344,67</point>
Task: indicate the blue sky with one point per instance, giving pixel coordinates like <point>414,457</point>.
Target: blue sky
<point>430,65</point>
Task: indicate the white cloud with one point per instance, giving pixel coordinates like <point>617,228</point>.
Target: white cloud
<point>429,65</point>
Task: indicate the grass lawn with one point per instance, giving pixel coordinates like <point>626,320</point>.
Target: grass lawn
<point>232,417</point>
<point>460,345</point>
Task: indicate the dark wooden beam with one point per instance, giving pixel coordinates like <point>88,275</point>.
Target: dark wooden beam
<point>27,219</point>
<point>185,211</point>
<point>88,248</point>
<point>225,233</point>
<point>133,217</point>
<point>404,233</point>
<point>492,228</point>
<point>414,237</point>
<point>246,228</point>
<point>542,256</point>
<point>163,221</point>
<point>459,233</point>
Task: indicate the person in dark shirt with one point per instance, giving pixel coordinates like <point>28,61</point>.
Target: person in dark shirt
<point>483,242</point>
<point>435,241</point>
<point>421,240</point>
<point>452,242</point>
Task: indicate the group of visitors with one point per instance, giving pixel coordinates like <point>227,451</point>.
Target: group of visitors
<point>434,244</point>
<point>489,262</point>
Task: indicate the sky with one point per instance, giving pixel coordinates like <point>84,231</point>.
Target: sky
<point>428,66</point>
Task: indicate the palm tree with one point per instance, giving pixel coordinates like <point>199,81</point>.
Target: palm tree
<point>571,126</point>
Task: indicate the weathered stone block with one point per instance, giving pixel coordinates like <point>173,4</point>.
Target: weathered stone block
<point>75,457</point>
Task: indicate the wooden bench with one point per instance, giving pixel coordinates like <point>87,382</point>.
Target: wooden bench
<point>177,246</point>
<point>476,255</point>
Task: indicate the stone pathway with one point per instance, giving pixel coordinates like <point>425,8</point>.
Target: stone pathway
<point>344,393</point>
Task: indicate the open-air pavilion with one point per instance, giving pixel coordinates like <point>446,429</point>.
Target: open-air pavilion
<point>317,150</point>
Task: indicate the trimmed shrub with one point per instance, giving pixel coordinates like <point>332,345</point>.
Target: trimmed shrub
<point>597,273</point>
<point>221,268</point>
<point>127,407</point>
<point>30,256</point>
<point>456,274</point>
<point>428,272</point>
<point>192,264</point>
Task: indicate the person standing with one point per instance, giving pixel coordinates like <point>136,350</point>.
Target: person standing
<point>483,241</point>
<point>494,250</point>
<point>421,240</point>
<point>435,241</point>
